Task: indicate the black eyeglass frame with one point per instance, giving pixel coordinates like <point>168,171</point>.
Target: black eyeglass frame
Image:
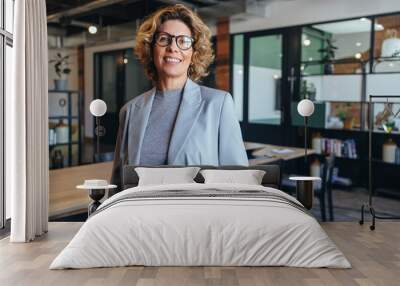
<point>170,38</point>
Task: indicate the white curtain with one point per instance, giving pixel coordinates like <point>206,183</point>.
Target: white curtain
<point>27,124</point>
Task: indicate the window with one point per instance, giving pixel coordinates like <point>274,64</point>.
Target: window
<point>6,42</point>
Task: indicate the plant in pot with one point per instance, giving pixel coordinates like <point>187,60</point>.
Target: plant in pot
<point>328,54</point>
<point>346,116</point>
<point>61,66</point>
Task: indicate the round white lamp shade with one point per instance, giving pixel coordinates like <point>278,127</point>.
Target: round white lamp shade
<point>98,107</point>
<point>305,107</point>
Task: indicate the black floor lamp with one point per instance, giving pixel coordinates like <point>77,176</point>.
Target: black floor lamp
<point>305,108</point>
<point>98,108</point>
<point>369,205</point>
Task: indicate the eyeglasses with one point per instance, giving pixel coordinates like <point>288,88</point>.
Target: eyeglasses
<point>164,39</point>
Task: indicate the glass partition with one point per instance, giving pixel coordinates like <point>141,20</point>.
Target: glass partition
<point>336,48</point>
<point>119,78</point>
<point>387,44</point>
<point>265,73</point>
<point>335,65</point>
<point>237,82</point>
<point>136,81</point>
<point>331,88</point>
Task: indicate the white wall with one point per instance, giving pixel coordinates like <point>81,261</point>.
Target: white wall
<point>384,84</point>
<point>291,13</point>
<point>89,78</point>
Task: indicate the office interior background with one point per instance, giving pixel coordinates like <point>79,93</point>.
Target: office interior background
<point>335,53</point>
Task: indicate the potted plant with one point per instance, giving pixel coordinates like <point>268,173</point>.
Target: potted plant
<point>62,70</point>
<point>328,54</point>
<point>346,116</point>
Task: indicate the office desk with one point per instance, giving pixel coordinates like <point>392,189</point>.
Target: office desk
<point>267,153</point>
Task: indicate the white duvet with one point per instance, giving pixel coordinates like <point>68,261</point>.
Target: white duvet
<point>192,231</point>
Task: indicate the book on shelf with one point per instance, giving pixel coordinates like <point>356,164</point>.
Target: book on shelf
<point>341,148</point>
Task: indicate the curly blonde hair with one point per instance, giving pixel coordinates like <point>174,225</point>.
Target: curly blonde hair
<point>202,48</point>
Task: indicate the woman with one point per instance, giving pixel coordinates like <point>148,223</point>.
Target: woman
<point>178,122</point>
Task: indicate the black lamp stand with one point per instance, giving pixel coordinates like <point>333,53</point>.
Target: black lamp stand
<point>99,132</point>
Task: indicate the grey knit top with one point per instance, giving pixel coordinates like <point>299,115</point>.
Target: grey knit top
<point>159,127</point>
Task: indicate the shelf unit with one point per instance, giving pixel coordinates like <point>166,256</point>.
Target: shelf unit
<point>357,168</point>
<point>69,118</point>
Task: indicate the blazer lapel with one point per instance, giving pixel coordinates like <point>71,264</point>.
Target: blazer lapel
<point>139,116</point>
<point>188,114</point>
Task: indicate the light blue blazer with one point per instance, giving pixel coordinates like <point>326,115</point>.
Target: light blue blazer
<point>206,130</point>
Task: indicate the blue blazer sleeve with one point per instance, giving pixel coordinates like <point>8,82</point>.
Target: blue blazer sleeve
<point>231,146</point>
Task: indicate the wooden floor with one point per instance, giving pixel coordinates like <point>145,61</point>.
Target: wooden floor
<point>375,257</point>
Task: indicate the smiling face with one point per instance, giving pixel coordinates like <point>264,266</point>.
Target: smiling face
<point>171,62</point>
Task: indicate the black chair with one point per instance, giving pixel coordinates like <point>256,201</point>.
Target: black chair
<point>104,157</point>
<point>322,191</point>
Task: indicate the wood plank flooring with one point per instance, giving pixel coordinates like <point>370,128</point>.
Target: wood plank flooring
<point>375,257</point>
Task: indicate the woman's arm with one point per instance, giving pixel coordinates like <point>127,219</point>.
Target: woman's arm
<point>231,146</point>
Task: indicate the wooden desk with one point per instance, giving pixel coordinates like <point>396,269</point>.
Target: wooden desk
<point>253,145</point>
<point>268,154</point>
<point>64,198</point>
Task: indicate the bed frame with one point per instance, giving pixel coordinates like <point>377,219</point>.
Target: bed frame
<point>272,177</point>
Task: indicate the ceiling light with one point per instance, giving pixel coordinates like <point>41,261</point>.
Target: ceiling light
<point>307,42</point>
<point>276,76</point>
<point>125,60</point>
<point>363,19</point>
<point>92,29</point>
<point>379,27</point>
<point>358,56</point>
<point>390,64</point>
<point>358,44</point>
<point>310,59</point>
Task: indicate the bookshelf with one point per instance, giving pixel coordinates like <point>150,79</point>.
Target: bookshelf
<point>385,174</point>
<point>68,101</point>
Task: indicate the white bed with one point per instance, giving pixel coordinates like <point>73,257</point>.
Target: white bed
<point>245,225</point>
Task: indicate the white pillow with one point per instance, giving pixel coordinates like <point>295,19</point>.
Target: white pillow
<point>165,176</point>
<point>248,177</point>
